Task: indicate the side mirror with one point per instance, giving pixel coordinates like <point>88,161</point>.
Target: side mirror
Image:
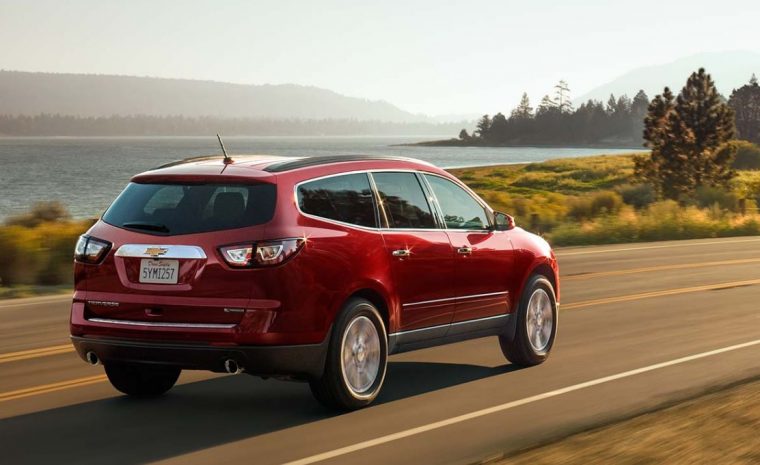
<point>503,222</point>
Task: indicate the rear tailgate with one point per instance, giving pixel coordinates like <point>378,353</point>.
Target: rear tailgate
<point>164,265</point>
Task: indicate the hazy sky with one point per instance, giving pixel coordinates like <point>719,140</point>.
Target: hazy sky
<point>433,57</point>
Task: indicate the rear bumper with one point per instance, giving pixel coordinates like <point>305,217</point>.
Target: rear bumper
<point>294,360</point>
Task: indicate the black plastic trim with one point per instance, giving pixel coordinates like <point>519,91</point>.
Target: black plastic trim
<point>292,360</point>
<point>447,334</point>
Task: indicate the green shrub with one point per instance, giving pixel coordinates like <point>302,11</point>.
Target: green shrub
<point>747,155</point>
<point>708,196</point>
<point>595,204</point>
<point>41,212</point>
<point>39,255</point>
<point>637,195</point>
<point>606,202</point>
<point>18,256</point>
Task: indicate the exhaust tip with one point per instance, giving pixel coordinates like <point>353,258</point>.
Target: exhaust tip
<point>91,358</point>
<point>232,367</point>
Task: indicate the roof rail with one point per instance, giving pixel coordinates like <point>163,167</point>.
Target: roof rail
<point>189,160</point>
<point>288,165</point>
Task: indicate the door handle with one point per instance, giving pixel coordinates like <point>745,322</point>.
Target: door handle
<point>402,253</point>
<point>466,250</point>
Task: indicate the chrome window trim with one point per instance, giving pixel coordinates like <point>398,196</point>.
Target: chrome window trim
<point>382,217</point>
<point>447,299</point>
<point>456,323</point>
<point>383,229</point>
<point>158,324</point>
<point>190,252</point>
<point>432,200</point>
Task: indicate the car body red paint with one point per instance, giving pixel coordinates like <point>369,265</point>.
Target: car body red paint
<point>216,311</point>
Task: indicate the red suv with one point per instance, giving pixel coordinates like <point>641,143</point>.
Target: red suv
<point>313,269</point>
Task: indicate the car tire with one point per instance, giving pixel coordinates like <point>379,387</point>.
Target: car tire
<point>535,325</point>
<point>357,358</point>
<point>138,380</point>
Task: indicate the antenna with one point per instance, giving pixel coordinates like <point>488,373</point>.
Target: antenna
<point>227,158</point>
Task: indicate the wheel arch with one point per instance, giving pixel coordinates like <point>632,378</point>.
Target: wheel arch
<point>380,298</point>
<point>546,270</point>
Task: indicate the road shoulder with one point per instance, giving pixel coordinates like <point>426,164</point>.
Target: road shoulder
<point>718,427</point>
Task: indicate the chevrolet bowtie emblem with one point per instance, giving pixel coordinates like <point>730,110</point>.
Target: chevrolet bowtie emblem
<point>155,252</point>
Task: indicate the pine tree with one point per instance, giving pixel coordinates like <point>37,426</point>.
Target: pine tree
<point>685,136</point>
<point>745,102</point>
<point>639,105</point>
<point>562,99</point>
<point>547,105</point>
<point>483,126</point>
<point>523,110</point>
<point>498,131</point>
<point>611,102</point>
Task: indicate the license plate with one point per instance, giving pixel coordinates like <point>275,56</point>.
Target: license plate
<point>159,271</point>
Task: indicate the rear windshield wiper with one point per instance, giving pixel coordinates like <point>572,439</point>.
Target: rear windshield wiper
<point>146,226</point>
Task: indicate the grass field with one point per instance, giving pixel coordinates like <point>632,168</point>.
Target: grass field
<point>595,200</point>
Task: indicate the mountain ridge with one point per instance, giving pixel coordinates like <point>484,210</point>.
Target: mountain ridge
<point>729,69</point>
<point>95,95</point>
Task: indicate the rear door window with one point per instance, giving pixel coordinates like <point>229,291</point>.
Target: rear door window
<point>346,198</point>
<point>404,201</point>
<point>191,208</point>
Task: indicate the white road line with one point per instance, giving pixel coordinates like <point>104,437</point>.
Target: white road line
<point>509,405</point>
<point>665,246</point>
<point>34,301</point>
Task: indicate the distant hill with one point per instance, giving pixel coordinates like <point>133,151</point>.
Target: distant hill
<point>89,95</point>
<point>730,70</point>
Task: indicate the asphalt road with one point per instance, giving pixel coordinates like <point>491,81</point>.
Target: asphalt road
<point>640,326</point>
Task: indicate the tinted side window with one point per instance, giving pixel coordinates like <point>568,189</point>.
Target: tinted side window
<point>347,198</point>
<point>460,209</point>
<point>404,201</point>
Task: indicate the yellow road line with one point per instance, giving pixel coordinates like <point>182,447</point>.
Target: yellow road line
<point>34,353</point>
<point>580,277</point>
<point>561,254</point>
<point>666,292</point>
<point>46,388</point>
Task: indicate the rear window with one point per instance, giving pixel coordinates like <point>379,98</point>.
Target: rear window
<point>191,208</point>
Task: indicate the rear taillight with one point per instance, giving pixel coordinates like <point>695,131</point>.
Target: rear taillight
<point>91,250</point>
<point>267,253</point>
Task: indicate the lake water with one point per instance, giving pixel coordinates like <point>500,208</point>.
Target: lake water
<point>87,173</point>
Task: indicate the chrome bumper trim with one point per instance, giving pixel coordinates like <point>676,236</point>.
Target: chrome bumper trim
<point>159,324</point>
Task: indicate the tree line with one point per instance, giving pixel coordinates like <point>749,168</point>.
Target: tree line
<point>619,122</point>
<point>556,122</point>
<point>145,125</point>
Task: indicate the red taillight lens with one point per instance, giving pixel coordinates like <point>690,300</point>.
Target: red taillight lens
<point>261,254</point>
<point>91,250</point>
